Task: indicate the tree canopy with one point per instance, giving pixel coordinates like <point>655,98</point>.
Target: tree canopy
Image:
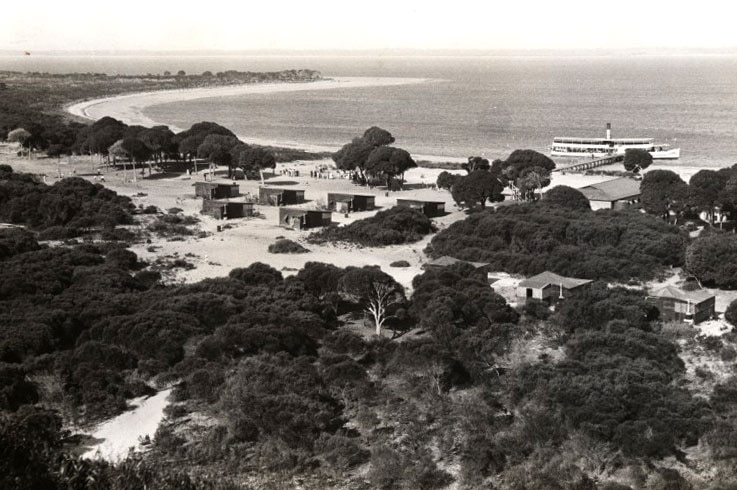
<point>477,188</point>
<point>663,192</point>
<point>636,159</point>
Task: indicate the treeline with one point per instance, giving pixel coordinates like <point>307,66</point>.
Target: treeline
<point>33,101</point>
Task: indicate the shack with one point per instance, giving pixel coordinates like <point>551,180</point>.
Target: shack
<point>303,219</point>
<point>612,194</point>
<point>549,287</point>
<point>676,305</point>
<point>221,209</point>
<point>346,203</point>
<point>431,209</point>
<point>277,196</point>
<point>215,190</point>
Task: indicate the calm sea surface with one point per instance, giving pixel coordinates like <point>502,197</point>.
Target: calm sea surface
<point>476,106</point>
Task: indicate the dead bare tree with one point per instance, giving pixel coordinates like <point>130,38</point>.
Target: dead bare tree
<point>380,298</point>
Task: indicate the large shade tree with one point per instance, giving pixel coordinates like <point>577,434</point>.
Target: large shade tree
<point>524,171</point>
<point>662,193</point>
<point>217,149</point>
<point>253,160</point>
<point>706,191</point>
<point>477,188</point>
<point>389,162</point>
<point>636,159</point>
<point>354,155</point>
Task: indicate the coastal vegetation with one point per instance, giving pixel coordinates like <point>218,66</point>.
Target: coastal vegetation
<point>393,226</point>
<point>337,377</point>
<point>33,103</point>
<point>530,238</point>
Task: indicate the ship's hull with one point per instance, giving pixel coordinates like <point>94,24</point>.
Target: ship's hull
<point>669,154</point>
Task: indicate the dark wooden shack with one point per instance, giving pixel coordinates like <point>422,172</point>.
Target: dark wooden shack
<point>347,203</point>
<point>677,305</point>
<point>215,190</point>
<point>302,219</point>
<point>278,196</point>
<point>431,209</point>
<point>227,209</point>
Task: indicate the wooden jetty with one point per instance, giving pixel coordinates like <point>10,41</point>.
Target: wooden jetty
<point>587,165</point>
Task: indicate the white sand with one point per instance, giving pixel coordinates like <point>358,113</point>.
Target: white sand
<point>129,108</point>
<point>126,431</point>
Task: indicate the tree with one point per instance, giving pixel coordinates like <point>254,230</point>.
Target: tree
<point>476,188</point>
<point>636,159</point>
<point>353,156</point>
<point>376,291</point>
<point>712,259</point>
<point>567,197</point>
<point>217,148</point>
<point>731,313</point>
<point>190,140</point>
<point>256,159</point>
<point>447,180</point>
<point>476,163</point>
<point>663,192</point>
<point>133,149</point>
<point>375,136</point>
<point>20,136</point>
<point>524,171</point>
<point>159,139</point>
<point>705,191</point>
<point>389,162</point>
<point>530,180</point>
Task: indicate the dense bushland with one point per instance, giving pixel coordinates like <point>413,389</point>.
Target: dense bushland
<point>393,226</point>
<point>533,237</point>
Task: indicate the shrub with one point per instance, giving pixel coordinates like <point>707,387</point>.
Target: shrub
<point>286,246</point>
<point>391,227</point>
<point>399,263</point>
<point>731,313</point>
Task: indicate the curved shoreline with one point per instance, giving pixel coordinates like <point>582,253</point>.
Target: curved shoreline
<point>129,107</point>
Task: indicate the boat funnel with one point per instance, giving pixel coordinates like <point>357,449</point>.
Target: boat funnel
<point>608,131</point>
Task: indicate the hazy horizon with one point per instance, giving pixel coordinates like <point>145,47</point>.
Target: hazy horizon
<point>89,26</point>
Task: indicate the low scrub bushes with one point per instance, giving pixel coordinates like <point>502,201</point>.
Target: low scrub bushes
<point>391,227</point>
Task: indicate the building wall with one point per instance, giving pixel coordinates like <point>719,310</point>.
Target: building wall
<point>674,310</point>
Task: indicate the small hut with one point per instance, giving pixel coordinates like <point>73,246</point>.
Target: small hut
<point>431,209</point>
<point>683,306</point>
<point>220,209</point>
<point>346,203</point>
<point>549,287</point>
<point>215,190</point>
<point>302,219</point>
<point>277,196</point>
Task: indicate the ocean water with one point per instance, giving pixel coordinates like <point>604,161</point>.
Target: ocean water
<point>476,105</point>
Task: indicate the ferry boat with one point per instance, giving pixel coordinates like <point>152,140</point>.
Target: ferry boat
<point>604,147</point>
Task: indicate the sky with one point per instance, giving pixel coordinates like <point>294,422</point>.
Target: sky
<point>239,25</point>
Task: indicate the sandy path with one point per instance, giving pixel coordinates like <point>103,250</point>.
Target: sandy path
<point>125,431</point>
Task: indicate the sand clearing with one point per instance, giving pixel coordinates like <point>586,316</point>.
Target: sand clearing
<point>128,429</point>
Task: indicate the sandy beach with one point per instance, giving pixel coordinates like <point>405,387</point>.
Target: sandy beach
<point>245,241</point>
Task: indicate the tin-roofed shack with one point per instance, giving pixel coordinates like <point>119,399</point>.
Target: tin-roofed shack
<point>220,209</point>
<point>303,219</point>
<point>215,190</point>
<point>346,203</point>
<point>277,196</point>
<point>431,209</point>
<point>612,194</point>
<point>676,305</point>
<point>549,287</point>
